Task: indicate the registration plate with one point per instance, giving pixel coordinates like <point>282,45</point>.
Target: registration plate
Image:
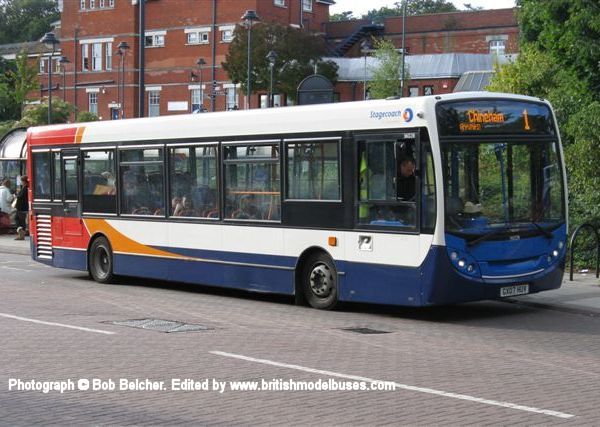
<point>511,291</point>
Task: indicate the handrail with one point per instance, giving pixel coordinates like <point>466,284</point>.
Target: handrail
<point>572,245</point>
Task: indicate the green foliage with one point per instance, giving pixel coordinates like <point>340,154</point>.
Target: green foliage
<point>26,20</point>
<point>343,16</point>
<point>298,54</point>
<point>16,81</point>
<point>37,114</point>
<point>86,116</point>
<point>5,127</point>
<point>413,7</point>
<point>568,30</point>
<point>387,75</point>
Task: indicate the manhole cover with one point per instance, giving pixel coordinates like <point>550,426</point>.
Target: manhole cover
<point>160,325</point>
<point>366,331</point>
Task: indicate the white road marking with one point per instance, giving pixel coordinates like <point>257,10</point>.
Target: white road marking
<point>62,325</point>
<point>400,386</point>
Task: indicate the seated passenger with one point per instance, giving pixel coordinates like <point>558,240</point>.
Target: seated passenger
<point>187,208</point>
<point>176,206</point>
<point>248,208</point>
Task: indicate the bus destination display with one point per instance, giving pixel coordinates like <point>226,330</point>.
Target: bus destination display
<point>493,117</point>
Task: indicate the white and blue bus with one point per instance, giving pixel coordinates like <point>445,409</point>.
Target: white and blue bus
<point>414,202</point>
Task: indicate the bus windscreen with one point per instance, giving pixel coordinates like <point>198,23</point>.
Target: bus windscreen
<point>494,117</point>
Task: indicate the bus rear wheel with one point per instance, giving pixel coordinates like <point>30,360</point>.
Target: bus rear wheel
<point>101,261</point>
<point>319,282</point>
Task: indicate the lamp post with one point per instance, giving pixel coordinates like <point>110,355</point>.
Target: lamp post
<point>403,47</point>
<point>271,57</point>
<point>365,47</point>
<point>201,63</point>
<point>121,50</point>
<point>63,61</point>
<point>50,41</point>
<point>249,18</point>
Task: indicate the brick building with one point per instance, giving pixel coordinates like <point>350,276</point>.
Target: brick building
<point>441,49</point>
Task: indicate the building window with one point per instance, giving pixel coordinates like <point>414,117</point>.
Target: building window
<point>57,68</point>
<point>193,180</point>
<point>108,56</point>
<point>82,5</point>
<point>226,35</point>
<point>96,56</point>
<point>142,179</point>
<point>198,37</point>
<point>153,103</point>
<point>85,60</point>
<point>93,102</point>
<point>111,3</point>
<point>413,91</point>
<point>196,98</point>
<point>307,5</point>
<point>92,4</point>
<point>313,170</point>
<point>42,65</point>
<point>497,47</point>
<point>252,182</point>
<point>279,2</point>
<point>428,90</point>
<point>155,40</point>
<point>102,4</point>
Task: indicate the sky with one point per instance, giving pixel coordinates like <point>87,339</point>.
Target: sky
<point>360,7</point>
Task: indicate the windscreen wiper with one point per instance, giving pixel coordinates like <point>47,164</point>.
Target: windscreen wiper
<point>544,231</point>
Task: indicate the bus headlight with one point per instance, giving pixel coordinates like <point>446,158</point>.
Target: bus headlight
<point>463,262</point>
<point>555,253</point>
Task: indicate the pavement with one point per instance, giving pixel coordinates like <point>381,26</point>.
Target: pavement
<point>580,296</point>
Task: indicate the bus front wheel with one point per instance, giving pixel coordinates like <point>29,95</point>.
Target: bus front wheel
<point>101,261</point>
<point>319,282</point>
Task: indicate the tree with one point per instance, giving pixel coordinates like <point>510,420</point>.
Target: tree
<point>413,7</point>
<point>17,81</point>
<point>343,16</point>
<point>86,116</point>
<point>26,20</point>
<point>388,73</point>
<point>298,55</point>
<point>37,114</point>
<point>568,30</point>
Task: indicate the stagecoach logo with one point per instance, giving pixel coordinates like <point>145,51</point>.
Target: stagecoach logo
<point>407,115</point>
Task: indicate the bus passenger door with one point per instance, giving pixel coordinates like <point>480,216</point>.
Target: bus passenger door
<point>72,225</point>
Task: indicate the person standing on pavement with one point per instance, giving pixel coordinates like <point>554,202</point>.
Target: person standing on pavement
<point>22,208</point>
<point>6,197</point>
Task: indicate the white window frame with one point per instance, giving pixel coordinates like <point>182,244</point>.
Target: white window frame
<point>92,4</point>
<point>153,95</point>
<point>280,3</point>
<point>111,3</point>
<point>82,5</point>
<point>227,36</point>
<point>85,55</point>
<point>93,102</point>
<point>96,56</point>
<point>202,36</point>
<point>196,97</point>
<point>307,5</point>
<point>108,56</point>
<point>157,37</point>
<point>497,46</point>
<point>42,65</point>
<point>57,66</point>
<point>102,4</point>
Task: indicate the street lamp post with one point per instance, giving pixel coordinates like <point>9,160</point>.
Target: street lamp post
<point>121,50</point>
<point>63,61</point>
<point>50,41</point>
<point>365,47</point>
<point>271,57</point>
<point>403,47</point>
<point>201,63</point>
<point>249,18</point>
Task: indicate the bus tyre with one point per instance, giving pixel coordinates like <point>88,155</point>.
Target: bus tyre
<point>101,261</point>
<point>319,282</point>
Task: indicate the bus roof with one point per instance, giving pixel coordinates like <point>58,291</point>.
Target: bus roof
<point>360,115</point>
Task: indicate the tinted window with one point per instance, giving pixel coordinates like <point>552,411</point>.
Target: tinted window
<point>143,191</point>
<point>57,175</point>
<point>99,182</point>
<point>252,187</point>
<point>41,175</point>
<point>193,177</point>
<point>313,171</point>
<point>71,179</point>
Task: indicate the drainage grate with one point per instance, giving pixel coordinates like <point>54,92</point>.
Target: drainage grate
<point>161,325</point>
<point>366,331</point>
